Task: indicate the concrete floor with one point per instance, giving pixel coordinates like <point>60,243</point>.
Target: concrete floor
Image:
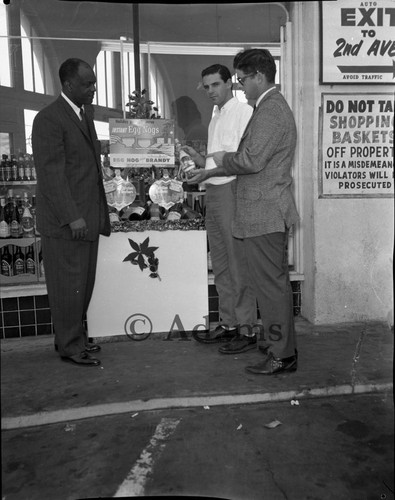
<point>324,449</point>
<point>177,418</point>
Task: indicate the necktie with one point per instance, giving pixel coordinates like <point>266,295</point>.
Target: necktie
<point>84,122</point>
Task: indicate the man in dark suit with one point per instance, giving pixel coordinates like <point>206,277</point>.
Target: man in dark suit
<point>265,208</point>
<point>71,207</point>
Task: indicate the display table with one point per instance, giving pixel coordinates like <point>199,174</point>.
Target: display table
<point>127,301</point>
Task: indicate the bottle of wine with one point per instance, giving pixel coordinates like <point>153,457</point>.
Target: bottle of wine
<point>6,262</point>
<point>33,212</point>
<point>19,261</point>
<point>27,223</point>
<point>15,223</point>
<point>30,262</point>
<point>14,168</point>
<point>4,226</point>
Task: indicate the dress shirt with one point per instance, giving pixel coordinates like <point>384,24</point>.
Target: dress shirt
<point>75,108</point>
<point>226,128</point>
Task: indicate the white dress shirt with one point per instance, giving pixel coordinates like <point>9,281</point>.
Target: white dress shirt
<point>225,131</point>
<point>76,109</point>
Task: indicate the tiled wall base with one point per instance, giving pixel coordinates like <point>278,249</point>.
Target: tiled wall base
<point>25,316</point>
<point>31,316</point>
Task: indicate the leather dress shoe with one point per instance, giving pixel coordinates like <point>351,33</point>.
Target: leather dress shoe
<point>220,334</point>
<point>82,359</point>
<point>272,365</point>
<point>89,348</point>
<point>239,345</point>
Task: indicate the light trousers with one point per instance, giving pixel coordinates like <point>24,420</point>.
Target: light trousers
<point>237,302</point>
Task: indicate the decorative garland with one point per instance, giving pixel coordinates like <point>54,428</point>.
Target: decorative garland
<point>158,225</point>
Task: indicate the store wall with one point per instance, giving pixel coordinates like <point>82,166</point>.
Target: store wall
<point>348,243</point>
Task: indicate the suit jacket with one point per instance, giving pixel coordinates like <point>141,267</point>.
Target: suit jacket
<point>69,179</point>
<point>262,163</point>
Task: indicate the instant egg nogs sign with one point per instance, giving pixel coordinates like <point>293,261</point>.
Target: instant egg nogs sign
<point>141,143</point>
<point>357,41</point>
<point>357,145</point>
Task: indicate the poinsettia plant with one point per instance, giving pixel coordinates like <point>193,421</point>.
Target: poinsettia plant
<point>144,256</point>
<point>140,106</point>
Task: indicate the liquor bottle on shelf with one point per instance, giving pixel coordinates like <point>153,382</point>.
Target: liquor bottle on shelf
<point>33,212</point>
<point>189,213</point>
<point>15,222</point>
<point>4,226</point>
<point>154,211</point>
<point>19,205</point>
<point>28,169</point>
<point>26,201</point>
<point>41,264</point>
<point>9,205</point>
<point>33,174</point>
<point>2,168</point>
<point>30,262</point>
<point>14,168</point>
<point>7,169</point>
<point>175,212</point>
<point>6,262</point>
<point>136,211</point>
<point>27,223</point>
<point>19,261</point>
<point>21,167</point>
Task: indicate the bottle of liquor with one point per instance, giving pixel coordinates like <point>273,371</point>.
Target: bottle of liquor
<point>188,213</point>
<point>175,212</point>
<point>19,205</point>
<point>41,264</point>
<point>7,169</point>
<point>33,174</point>
<point>15,222</point>
<point>30,262</point>
<point>9,206</point>
<point>33,212</point>
<point>154,211</point>
<point>27,223</point>
<point>2,168</point>
<point>6,262</point>
<point>113,214</point>
<point>21,167</point>
<point>14,168</point>
<point>137,211</point>
<point>186,163</point>
<point>19,261</point>
<point>4,226</point>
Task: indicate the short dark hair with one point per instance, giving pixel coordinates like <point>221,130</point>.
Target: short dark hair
<point>222,70</point>
<point>252,60</point>
<point>69,69</point>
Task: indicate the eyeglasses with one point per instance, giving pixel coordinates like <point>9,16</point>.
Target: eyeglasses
<point>244,78</point>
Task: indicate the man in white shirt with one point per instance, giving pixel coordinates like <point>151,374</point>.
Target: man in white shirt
<point>237,302</point>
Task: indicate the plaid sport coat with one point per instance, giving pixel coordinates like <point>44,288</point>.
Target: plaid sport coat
<point>262,163</point>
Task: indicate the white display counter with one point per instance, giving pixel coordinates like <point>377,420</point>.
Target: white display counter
<point>127,301</point>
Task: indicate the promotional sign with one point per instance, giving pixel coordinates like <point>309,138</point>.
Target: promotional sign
<point>357,41</point>
<point>141,143</point>
<point>357,145</point>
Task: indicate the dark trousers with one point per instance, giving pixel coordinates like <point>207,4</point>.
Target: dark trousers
<point>268,267</point>
<point>70,269</point>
